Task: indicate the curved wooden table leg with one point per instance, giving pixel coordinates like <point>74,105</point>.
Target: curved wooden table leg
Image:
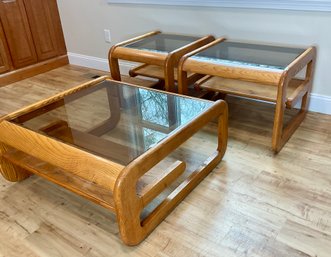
<point>129,204</point>
<point>10,171</point>
<point>281,134</point>
<point>114,65</point>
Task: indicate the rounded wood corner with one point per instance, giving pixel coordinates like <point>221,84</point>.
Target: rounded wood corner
<point>10,171</point>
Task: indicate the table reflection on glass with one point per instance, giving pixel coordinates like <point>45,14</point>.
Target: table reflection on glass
<point>280,75</point>
<point>159,54</point>
<point>122,146</point>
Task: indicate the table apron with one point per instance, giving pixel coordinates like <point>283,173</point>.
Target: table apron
<point>135,55</point>
<point>255,75</point>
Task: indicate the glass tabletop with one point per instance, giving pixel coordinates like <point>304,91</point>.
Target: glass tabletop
<point>113,120</point>
<point>164,43</point>
<point>250,55</point>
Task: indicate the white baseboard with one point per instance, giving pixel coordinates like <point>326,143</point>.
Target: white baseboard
<point>97,63</point>
<point>318,103</point>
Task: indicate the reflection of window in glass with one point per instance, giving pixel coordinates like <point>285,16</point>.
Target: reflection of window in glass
<point>158,114</point>
<point>167,111</point>
<point>189,109</point>
<point>153,107</point>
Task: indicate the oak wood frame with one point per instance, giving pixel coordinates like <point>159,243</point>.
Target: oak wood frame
<point>280,79</point>
<point>118,180</point>
<point>168,61</point>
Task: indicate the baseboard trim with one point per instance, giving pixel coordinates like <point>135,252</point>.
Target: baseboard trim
<point>318,103</point>
<point>33,70</point>
<point>97,63</point>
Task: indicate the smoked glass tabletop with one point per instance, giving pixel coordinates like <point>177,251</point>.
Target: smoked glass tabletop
<point>164,43</point>
<point>112,120</point>
<point>250,55</point>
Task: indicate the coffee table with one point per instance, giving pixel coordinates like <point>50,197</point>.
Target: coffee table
<point>159,54</point>
<point>121,146</point>
<point>276,74</point>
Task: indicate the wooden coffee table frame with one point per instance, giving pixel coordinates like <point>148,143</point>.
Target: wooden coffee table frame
<point>24,152</point>
<point>155,64</point>
<point>261,84</point>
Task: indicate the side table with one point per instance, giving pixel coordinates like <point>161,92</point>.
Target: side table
<point>263,72</point>
<point>159,54</point>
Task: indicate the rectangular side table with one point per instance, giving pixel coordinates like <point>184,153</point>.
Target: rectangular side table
<point>159,54</point>
<point>262,72</point>
<point>117,145</point>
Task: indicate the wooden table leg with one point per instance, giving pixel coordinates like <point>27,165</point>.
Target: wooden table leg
<point>282,134</point>
<point>10,171</point>
<point>182,82</point>
<point>129,204</point>
<point>169,74</point>
<point>114,68</point>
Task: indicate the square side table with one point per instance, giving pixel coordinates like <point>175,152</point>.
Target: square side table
<point>262,72</point>
<point>159,54</point>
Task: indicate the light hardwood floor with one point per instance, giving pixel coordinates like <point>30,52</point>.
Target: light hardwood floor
<point>254,203</point>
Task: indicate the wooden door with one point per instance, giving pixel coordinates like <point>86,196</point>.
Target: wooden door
<point>18,34</point>
<point>61,46</point>
<point>44,23</point>
<point>5,60</point>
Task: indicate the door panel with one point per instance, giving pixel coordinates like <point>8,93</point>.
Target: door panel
<point>5,61</point>
<point>46,28</point>
<point>18,34</point>
<point>42,28</point>
<point>62,50</point>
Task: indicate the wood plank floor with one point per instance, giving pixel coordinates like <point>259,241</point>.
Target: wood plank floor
<point>254,203</point>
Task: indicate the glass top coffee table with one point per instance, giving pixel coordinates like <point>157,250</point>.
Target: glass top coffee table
<point>159,54</point>
<point>263,72</point>
<point>118,145</point>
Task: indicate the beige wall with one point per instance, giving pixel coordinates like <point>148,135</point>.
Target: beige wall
<point>84,21</point>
